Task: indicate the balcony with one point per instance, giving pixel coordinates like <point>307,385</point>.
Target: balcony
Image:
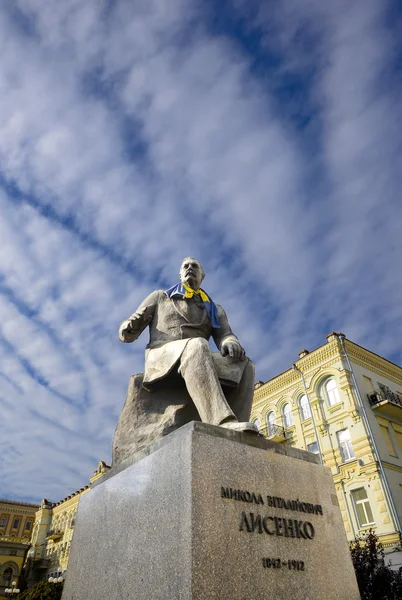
<point>386,402</point>
<point>54,534</point>
<point>41,563</point>
<point>275,433</point>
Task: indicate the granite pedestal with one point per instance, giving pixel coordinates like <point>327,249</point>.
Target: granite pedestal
<point>212,514</point>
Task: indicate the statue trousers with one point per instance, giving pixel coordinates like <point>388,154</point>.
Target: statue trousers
<point>202,382</point>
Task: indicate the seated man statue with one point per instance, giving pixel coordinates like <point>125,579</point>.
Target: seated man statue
<point>181,320</point>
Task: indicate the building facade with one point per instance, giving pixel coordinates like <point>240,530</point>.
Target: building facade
<point>52,534</point>
<point>16,525</point>
<point>344,403</point>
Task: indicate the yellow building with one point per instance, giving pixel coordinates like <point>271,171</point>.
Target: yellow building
<point>344,403</point>
<point>16,521</point>
<point>53,532</point>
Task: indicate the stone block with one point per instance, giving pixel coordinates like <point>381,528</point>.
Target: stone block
<point>149,415</point>
<point>211,514</point>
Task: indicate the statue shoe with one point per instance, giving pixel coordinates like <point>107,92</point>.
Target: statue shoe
<point>242,427</point>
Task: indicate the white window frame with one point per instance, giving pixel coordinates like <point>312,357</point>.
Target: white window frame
<point>287,416</point>
<point>313,451</point>
<point>365,501</point>
<point>345,445</point>
<point>332,394</point>
<point>271,422</point>
<point>305,410</point>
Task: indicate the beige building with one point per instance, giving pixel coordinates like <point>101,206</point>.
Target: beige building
<point>16,522</point>
<point>52,534</point>
<point>344,403</point>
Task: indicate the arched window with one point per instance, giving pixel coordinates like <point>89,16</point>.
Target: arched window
<point>271,422</point>
<point>287,415</point>
<point>7,577</point>
<point>304,407</point>
<point>257,422</point>
<point>331,392</point>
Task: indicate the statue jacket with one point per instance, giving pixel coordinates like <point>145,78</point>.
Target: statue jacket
<point>172,323</point>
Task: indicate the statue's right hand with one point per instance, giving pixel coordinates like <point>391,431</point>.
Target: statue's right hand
<point>137,320</point>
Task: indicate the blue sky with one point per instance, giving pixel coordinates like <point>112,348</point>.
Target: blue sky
<point>263,138</point>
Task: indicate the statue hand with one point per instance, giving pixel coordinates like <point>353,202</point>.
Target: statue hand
<point>234,350</point>
<point>138,319</point>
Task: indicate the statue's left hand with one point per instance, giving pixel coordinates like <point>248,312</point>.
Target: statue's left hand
<point>234,350</point>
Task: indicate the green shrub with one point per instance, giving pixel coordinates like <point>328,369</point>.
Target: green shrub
<point>376,581</point>
<point>44,590</point>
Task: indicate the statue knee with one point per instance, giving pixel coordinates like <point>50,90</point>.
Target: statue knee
<point>250,369</point>
<point>248,374</point>
<point>198,346</point>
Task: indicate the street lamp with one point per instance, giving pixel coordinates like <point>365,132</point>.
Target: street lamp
<point>13,591</point>
<point>56,579</point>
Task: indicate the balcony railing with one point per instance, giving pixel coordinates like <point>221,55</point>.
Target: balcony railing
<point>41,563</point>
<point>386,401</point>
<point>54,534</point>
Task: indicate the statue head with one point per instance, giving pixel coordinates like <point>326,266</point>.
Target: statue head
<point>192,272</point>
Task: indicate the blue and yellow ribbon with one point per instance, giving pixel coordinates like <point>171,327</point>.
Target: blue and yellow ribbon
<point>185,291</point>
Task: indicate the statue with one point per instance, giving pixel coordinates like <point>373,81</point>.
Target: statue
<point>219,385</point>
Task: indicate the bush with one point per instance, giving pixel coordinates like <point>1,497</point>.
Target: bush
<point>44,590</point>
<point>376,581</point>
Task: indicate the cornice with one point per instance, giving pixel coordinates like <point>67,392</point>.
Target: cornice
<point>15,540</point>
<point>20,504</point>
<point>389,539</point>
<point>374,362</point>
<point>317,358</point>
<point>74,496</point>
<point>18,511</point>
<point>391,466</point>
<point>286,379</point>
<point>320,359</point>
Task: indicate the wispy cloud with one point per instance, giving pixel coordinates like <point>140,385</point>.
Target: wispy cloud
<point>263,139</point>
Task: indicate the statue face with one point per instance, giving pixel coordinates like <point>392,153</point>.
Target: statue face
<point>191,273</point>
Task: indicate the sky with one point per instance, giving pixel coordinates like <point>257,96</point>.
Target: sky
<point>263,138</point>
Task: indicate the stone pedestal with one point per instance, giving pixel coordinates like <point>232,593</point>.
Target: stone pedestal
<point>212,514</point>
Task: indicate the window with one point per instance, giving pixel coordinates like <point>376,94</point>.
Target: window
<point>305,407</point>
<point>398,435</point>
<point>16,523</point>
<point>28,525</point>
<point>368,384</point>
<point>331,392</point>
<point>271,422</point>
<point>3,521</point>
<point>362,505</point>
<point>387,438</point>
<point>313,447</point>
<point>257,423</point>
<point>345,445</point>
<point>287,416</point>
<point>7,577</point>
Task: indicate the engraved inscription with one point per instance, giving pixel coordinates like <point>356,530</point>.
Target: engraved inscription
<point>273,501</point>
<point>278,563</point>
<point>276,526</point>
